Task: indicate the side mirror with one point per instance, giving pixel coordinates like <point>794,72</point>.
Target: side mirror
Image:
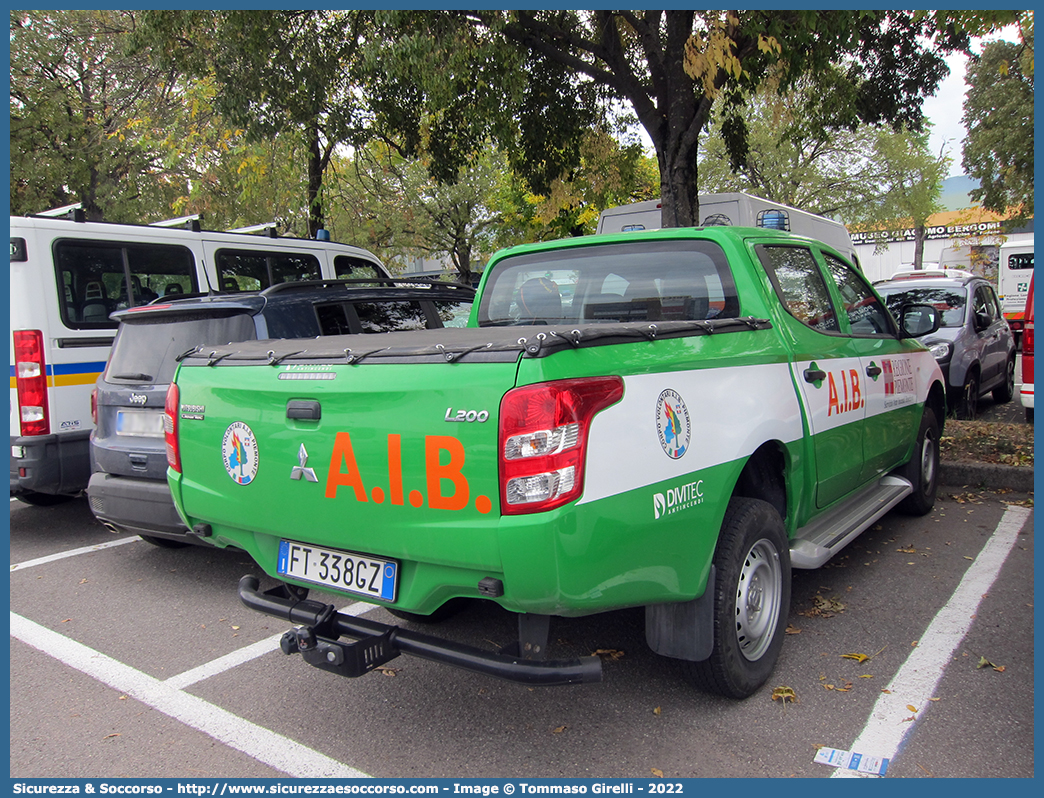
<point>982,321</point>
<point>916,321</point>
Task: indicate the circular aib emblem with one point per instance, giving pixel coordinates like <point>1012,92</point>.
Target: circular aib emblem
<point>239,451</point>
<point>672,424</point>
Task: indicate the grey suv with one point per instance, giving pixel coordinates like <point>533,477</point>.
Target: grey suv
<point>128,485</point>
<point>974,347</point>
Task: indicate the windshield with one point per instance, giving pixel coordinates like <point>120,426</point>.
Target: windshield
<point>949,301</point>
<point>641,281</point>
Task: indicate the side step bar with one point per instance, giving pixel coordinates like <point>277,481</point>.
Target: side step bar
<point>832,531</point>
<point>321,625</point>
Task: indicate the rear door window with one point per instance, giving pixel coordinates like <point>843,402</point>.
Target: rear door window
<point>253,270</point>
<point>96,278</point>
<point>146,350</point>
<point>800,285</point>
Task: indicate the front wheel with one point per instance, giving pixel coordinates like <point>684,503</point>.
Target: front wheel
<point>923,468</point>
<point>751,600</point>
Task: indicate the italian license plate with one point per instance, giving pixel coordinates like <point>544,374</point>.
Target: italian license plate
<point>141,423</point>
<point>341,570</point>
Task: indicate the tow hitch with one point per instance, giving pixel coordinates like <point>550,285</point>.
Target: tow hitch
<point>320,627</point>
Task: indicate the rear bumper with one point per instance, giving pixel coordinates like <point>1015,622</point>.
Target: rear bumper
<point>320,626</point>
<point>142,506</point>
<point>1026,395</point>
<point>57,464</point>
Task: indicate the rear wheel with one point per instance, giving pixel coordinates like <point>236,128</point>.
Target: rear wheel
<point>751,600</point>
<point>968,399</point>
<point>923,468</point>
<point>1006,390</point>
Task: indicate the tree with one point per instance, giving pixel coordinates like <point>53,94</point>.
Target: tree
<point>87,121</point>
<point>406,210</point>
<point>278,72</point>
<point>998,114</point>
<point>671,67</point>
<point>910,183</point>
<point>794,156</point>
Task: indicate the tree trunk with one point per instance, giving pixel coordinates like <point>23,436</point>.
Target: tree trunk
<point>316,218</point>
<point>918,247</point>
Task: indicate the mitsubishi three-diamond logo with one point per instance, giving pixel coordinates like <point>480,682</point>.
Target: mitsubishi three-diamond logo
<point>299,471</point>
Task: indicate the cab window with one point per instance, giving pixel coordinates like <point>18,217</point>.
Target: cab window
<point>866,315</point>
<point>800,285</point>
<point>253,270</point>
<point>96,278</point>
<point>612,283</point>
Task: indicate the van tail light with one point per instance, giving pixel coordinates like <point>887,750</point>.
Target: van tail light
<point>543,440</point>
<point>31,382</point>
<point>1027,339</point>
<point>94,406</point>
<point>170,428</point>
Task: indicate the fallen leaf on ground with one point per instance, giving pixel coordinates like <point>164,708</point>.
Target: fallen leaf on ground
<point>656,772</point>
<point>609,653</point>
<point>784,694</point>
<point>559,729</point>
<point>856,657</point>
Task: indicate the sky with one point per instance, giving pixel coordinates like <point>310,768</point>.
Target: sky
<point>946,108</point>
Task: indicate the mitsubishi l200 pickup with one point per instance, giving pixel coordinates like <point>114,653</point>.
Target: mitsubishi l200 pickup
<point>668,419</point>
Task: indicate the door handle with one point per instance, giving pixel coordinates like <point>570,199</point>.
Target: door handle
<point>814,375</point>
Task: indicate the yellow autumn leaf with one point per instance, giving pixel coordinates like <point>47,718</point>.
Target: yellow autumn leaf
<point>911,707</point>
<point>856,657</point>
<point>656,772</point>
<point>559,729</point>
<point>656,711</point>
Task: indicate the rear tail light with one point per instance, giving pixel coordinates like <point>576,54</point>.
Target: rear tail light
<point>94,406</point>
<point>543,440</point>
<point>170,428</point>
<point>31,382</point>
<point>1027,339</point>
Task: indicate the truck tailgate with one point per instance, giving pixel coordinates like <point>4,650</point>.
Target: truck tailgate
<point>387,459</point>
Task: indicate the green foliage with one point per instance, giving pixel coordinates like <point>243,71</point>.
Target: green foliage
<point>998,112</point>
<point>87,121</point>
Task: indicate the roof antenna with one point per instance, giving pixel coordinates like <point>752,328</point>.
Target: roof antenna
<point>206,276</point>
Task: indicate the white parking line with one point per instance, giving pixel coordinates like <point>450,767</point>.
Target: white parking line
<point>266,746</point>
<point>19,566</point>
<point>915,683</point>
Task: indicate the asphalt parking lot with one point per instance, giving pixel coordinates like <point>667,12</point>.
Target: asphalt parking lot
<point>129,660</point>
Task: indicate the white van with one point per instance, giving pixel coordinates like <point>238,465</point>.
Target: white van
<point>735,208</point>
<point>1013,281</point>
<point>68,275</point>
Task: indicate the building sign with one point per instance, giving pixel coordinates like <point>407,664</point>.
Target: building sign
<point>930,233</point>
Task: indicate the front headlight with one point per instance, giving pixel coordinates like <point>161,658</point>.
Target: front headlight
<point>941,351</point>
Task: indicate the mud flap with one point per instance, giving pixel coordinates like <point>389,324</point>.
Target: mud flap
<point>685,630</point>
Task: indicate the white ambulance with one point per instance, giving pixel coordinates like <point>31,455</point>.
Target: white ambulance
<point>68,275</point>
<point>735,208</point>
<point>1013,281</point>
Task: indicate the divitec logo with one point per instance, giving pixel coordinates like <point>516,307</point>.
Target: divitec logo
<point>677,499</point>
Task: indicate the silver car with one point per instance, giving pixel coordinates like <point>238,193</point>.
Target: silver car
<point>974,348</point>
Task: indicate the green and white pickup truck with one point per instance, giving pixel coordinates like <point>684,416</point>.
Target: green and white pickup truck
<point>667,419</point>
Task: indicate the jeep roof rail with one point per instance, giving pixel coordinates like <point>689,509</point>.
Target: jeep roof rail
<point>306,285</point>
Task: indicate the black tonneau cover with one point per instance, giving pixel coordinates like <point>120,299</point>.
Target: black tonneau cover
<point>452,344</point>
